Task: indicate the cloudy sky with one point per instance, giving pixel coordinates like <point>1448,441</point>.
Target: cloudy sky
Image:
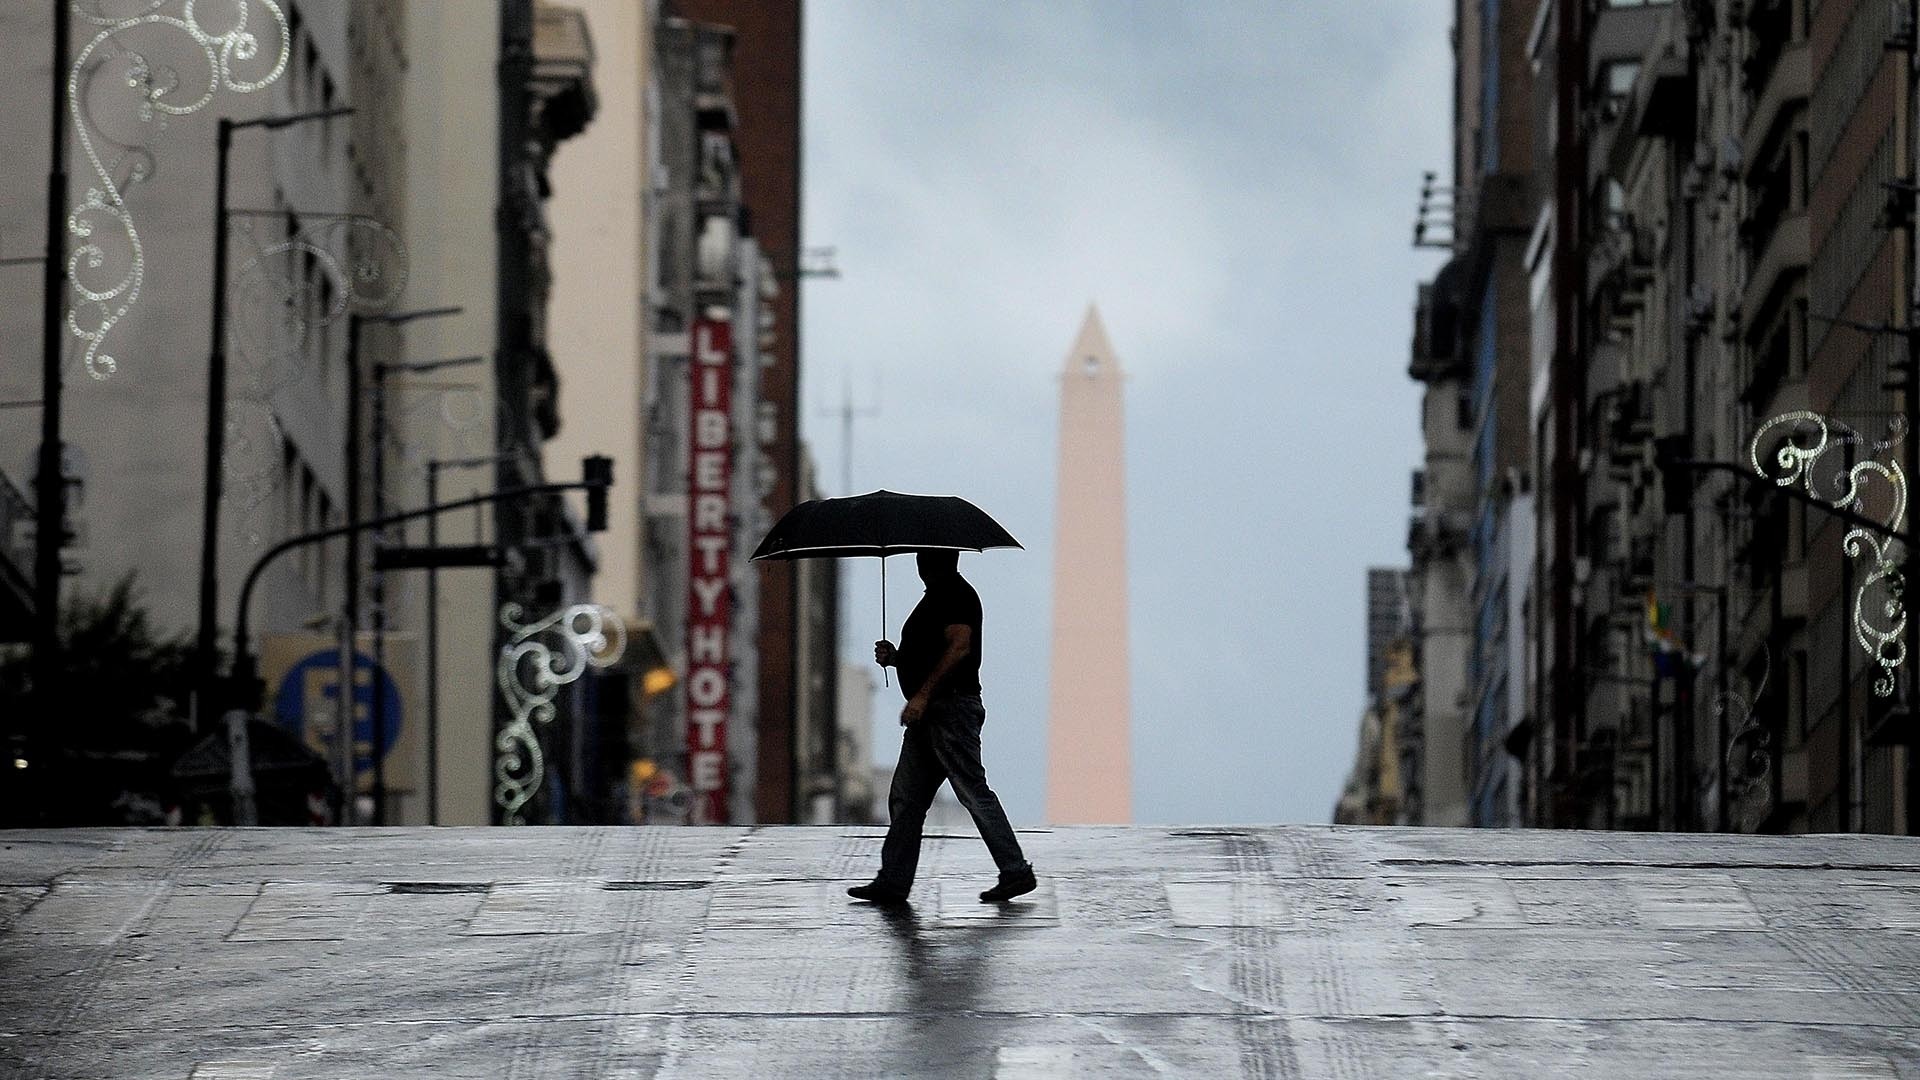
<point>1233,184</point>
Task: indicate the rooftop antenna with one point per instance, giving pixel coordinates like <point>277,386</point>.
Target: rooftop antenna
<point>847,413</point>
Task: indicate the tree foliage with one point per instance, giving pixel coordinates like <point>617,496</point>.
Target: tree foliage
<point>120,717</point>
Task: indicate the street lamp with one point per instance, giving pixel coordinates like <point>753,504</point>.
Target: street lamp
<point>381,370</point>
<point>355,322</point>
<point>49,492</point>
<point>433,618</point>
<point>246,692</point>
<point>217,394</point>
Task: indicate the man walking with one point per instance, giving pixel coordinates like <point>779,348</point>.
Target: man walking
<point>939,664</point>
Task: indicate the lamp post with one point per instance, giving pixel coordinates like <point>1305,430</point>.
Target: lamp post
<point>348,686</point>
<point>433,621</point>
<point>246,691</point>
<point>217,397</point>
<point>49,488</point>
<point>381,370</point>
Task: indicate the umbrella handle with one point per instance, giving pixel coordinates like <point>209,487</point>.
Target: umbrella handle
<point>886,677</point>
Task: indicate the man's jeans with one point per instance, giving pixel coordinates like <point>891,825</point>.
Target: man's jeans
<point>944,744</point>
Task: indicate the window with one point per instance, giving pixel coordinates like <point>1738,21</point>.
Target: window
<point>1608,206</point>
<point>1772,188</point>
<point>1488,146</point>
<point>1620,76</point>
<point>289,494</point>
<point>1770,29</point>
<point>309,274</point>
<point>326,102</point>
<point>1797,695</point>
<point>1801,171</point>
<point>325,323</point>
<point>326,519</point>
<point>297,72</point>
<point>306,520</point>
<point>292,228</point>
<point>1615,86</point>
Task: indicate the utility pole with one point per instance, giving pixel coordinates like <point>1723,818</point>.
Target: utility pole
<point>847,414</point>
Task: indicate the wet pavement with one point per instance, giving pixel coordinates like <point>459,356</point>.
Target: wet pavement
<point>1188,952</point>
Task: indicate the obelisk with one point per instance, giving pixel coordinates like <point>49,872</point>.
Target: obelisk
<point>1089,763</point>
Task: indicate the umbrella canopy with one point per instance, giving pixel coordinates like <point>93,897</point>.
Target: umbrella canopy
<point>882,523</point>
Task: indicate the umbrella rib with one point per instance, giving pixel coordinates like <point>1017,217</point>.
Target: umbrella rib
<point>877,548</point>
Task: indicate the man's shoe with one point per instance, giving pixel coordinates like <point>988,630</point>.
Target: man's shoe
<point>1018,883</point>
<point>876,893</point>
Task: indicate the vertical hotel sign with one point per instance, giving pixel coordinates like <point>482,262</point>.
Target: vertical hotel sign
<point>709,544</point>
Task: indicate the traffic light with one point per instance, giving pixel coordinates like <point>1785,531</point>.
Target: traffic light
<point>597,473</point>
<point>1670,456</point>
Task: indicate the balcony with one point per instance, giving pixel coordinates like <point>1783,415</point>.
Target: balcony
<point>1620,267</point>
<point>1783,259</point>
<point>1778,101</point>
<point>562,78</point>
<point>1437,356</point>
<point>1435,534</point>
<point>1659,107</point>
<point>1662,105</point>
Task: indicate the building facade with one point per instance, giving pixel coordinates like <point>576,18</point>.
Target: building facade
<point>385,341</point>
<point>1439,582</point>
<point>1375,788</point>
<point>1719,238</point>
<point>765,72</point>
<point>1471,349</point>
<point>602,272</point>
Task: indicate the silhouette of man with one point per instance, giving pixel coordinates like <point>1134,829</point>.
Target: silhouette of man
<point>939,664</point>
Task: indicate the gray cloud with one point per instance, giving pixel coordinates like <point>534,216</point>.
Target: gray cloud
<point>1234,185</point>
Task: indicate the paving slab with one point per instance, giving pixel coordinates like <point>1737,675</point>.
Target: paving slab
<point>1291,951</point>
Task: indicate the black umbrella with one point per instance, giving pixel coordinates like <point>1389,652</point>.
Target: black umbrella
<point>882,523</point>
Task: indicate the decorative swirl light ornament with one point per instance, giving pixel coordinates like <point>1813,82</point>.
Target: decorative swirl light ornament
<point>1749,761</point>
<point>107,265</point>
<point>531,673</point>
<point>450,419</point>
<point>251,465</point>
<point>276,313</point>
<point>1885,644</point>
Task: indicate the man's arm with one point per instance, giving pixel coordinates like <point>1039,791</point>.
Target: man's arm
<point>959,643</point>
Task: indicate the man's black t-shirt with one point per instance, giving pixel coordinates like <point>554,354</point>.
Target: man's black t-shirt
<point>923,641</point>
